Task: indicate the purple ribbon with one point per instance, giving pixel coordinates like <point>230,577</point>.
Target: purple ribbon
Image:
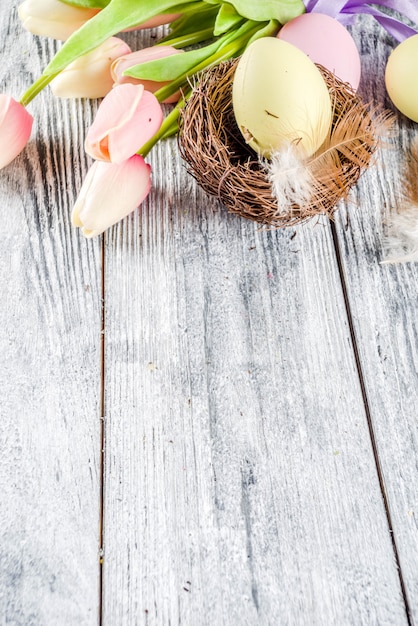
<point>345,11</point>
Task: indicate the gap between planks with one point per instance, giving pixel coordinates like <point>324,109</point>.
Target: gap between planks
<point>102,430</point>
<point>365,402</point>
<point>359,368</point>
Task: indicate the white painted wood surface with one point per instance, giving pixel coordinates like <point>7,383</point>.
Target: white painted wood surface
<point>50,323</point>
<point>384,306</point>
<point>260,397</point>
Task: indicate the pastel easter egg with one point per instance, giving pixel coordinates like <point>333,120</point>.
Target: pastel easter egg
<point>280,97</point>
<point>326,42</point>
<point>401,77</point>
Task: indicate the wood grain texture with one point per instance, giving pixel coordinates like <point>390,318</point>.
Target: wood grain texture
<point>240,482</point>
<point>243,465</point>
<point>384,304</point>
<point>50,313</point>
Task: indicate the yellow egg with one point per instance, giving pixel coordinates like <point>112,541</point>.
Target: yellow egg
<point>401,77</point>
<point>279,97</point>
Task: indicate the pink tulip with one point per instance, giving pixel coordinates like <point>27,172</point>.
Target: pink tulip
<point>127,61</point>
<point>89,76</point>
<point>127,118</point>
<point>15,128</point>
<point>109,193</point>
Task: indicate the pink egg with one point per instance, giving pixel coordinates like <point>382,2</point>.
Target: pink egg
<point>326,42</point>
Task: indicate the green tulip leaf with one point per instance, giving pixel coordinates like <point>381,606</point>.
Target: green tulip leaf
<point>231,45</point>
<point>192,22</point>
<point>242,33</point>
<point>170,68</point>
<point>118,15</point>
<point>227,18</point>
<point>191,7</point>
<point>263,10</point>
<point>270,30</point>
<point>195,38</point>
<point>87,4</point>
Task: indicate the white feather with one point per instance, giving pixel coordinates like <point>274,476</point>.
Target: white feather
<point>290,179</point>
<point>401,243</point>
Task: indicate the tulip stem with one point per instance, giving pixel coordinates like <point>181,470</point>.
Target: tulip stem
<point>189,39</point>
<point>36,88</point>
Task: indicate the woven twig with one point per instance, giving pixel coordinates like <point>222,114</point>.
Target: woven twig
<point>225,167</point>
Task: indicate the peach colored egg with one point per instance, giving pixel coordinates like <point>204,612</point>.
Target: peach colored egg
<point>326,42</point>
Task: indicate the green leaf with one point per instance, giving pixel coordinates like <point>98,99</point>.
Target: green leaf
<point>87,4</point>
<point>227,18</point>
<point>263,10</point>
<point>243,32</point>
<point>191,39</point>
<point>191,7</point>
<point>192,22</point>
<point>117,16</point>
<point>170,68</point>
<point>232,45</point>
<point>270,30</point>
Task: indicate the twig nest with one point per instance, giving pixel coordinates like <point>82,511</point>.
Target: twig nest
<point>269,192</point>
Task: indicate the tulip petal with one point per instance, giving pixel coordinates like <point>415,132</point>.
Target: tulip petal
<point>143,125</point>
<point>127,118</point>
<point>117,108</point>
<point>89,76</point>
<point>52,18</point>
<point>15,129</point>
<point>109,193</point>
<point>126,61</point>
<point>144,55</point>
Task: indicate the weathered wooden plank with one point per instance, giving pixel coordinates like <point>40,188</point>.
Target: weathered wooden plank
<point>50,320</point>
<point>384,304</point>
<point>240,483</point>
<point>240,478</point>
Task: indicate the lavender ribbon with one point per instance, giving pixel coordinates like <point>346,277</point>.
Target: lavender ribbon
<point>345,11</point>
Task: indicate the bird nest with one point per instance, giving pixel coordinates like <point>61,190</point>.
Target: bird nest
<point>225,167</point>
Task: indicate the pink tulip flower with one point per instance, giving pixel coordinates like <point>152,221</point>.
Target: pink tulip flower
<point>89,76</point>
<point>125,62</point>
<point>127,118</point>
<point>15,128</point>
<point>109,193</point>
<point>53,18</point>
